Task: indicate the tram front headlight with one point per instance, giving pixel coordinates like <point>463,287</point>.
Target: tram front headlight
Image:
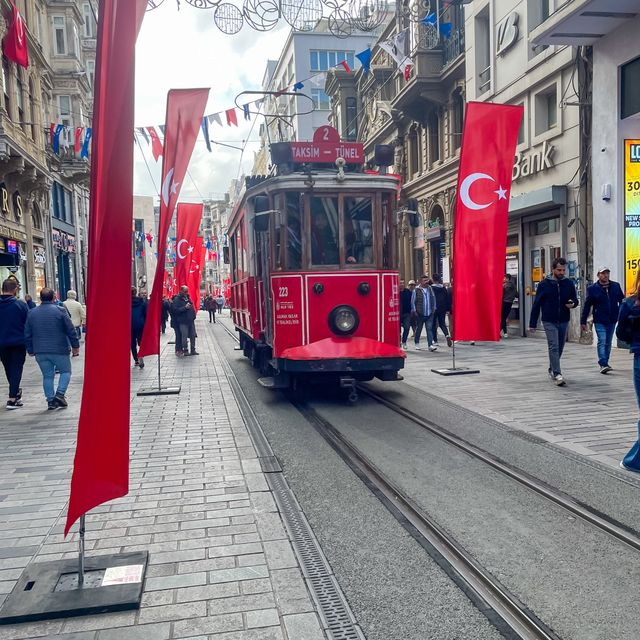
<point>343,320</point>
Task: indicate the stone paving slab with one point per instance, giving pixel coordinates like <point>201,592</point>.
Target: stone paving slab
<point>221,565</point>
<point>594,415</point>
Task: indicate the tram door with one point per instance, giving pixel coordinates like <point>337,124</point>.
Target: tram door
<point>263,282</point>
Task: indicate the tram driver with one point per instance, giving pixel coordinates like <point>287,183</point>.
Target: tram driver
<point>324,248</point>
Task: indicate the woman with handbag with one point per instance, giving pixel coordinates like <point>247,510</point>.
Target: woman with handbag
<point>628,331</point>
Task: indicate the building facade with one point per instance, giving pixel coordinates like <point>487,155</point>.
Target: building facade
<point>144,243</point>
<point>45,201</point>
<point>550,209</point>
<point>214,227</point>
<point>610,31</point>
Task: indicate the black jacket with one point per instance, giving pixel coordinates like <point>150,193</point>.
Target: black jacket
<point>605,302</point>
<point>179,311</point>
<point>166,306</point>
<point>138,313</point>
<point>551,297</point>
<point>443,300</point>
<point>405,302</point>
<point>509,291</point>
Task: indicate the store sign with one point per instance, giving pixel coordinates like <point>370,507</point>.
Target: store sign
<point>434,229</point>
<point>12,246</point>
<point>507,32</point>
<point>631,212</point>
<point>64,241</point>
<point>17,204</point>
<point>39,256</point>
<point>531,164</point>
<point>4,199</point>
<point>8,232</point>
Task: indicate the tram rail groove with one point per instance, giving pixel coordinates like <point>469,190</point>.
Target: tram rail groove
<point>604,523</point>
<point>503,609</point>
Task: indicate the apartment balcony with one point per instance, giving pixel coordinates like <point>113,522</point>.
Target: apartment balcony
<point>69,165</point>
<point>584,22</point>
<point>434,59</point>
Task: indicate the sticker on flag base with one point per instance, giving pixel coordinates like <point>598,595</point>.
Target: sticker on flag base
<point>48,590</point>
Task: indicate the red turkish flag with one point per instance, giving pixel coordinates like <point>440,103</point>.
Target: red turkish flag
<point>189,218</point>
<point>101,465</point>
<point>156,145</point>
<point>185,108</point>
<point>489,144</point>
<point>14,44</point>
<point>195,273</point>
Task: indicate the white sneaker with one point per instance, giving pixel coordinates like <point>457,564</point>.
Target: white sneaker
<point>404,346</point>
<point>433,348</point>
<point>418,347</point>
<point>559,380</point>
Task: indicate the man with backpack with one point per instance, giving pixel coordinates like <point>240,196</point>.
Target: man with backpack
<point>604,297</point>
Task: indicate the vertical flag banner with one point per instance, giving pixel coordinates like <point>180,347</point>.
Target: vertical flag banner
<point>480,225</point>
<point>185,108</point>
<point>101,464</point>
<point>188,224</point>
<point>14,44</point>
<point>156,145</point>
<point>195,273</point>
<point>631,212</point>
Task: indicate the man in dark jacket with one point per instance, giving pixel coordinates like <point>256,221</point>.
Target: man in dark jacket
<point>604,297</point>
<point>166,307</point>
<point>185,315</point>
<point>555,296</point>
<point>49,335</point>
<point>405,313</point>
<point>442,307</point>
<point>423,307</point>
<point>211,306</point>
<point>138,318</point>
<point>509,294</point>
<point>13,352</point>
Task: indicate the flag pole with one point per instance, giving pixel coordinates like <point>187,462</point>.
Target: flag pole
<point>81,553</point>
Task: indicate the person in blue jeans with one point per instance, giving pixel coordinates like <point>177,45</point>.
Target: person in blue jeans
<point>423,307</point>
<point>555,297</point>
<point>50,335</point>
<point>604,297</point>
<point>629,331</point>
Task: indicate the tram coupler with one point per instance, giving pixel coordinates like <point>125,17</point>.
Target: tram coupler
<point>347,382</point>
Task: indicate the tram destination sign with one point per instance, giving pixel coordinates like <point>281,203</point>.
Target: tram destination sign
<point>325,147</point>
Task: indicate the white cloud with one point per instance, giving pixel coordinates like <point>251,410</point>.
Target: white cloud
<point>182,49</point>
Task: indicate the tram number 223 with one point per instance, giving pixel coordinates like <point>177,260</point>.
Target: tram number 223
<point>283,292</point>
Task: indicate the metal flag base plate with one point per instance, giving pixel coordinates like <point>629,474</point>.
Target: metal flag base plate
<point>50,589</point>
<point>455,371</point>
<point>162,391</point>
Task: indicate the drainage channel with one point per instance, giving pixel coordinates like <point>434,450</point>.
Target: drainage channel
<point>333,608</point>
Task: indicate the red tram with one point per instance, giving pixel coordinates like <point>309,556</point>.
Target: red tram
<point>314,289</point>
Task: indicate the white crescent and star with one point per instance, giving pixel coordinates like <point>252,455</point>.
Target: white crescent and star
<point>179,245</point>
<point>466,199</point>
<point>169,186</point>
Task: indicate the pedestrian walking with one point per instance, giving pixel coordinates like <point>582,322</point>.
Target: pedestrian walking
<point>509,294</point>
<point>555,297</point>
<point>443,306</point>
<point>13,352</point>
<point>175,326</point>
<point>211,306</point>
<point>29,300</point>
<point>220,303</point>
<point>77,311</point>
<point>138,318</point>
<point>423,307</point>
<point>166,308</point>
<point>49,336</point>
<point>604,297</point>
<point>628,331</point>
<point>405,313</point>
<point>185,315</point>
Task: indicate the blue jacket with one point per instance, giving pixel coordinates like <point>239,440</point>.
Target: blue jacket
<point>138,313</point>
<point>605,302</point>
<point>551,297</point>
<point>630,318</point>
<point>13,316</point>
<point>49,330</point>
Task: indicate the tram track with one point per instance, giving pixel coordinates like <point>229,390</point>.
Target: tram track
<point>504,610</point>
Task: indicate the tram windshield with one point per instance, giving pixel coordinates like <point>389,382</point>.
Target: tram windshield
<point>324,230</point>
<point>358,230</point>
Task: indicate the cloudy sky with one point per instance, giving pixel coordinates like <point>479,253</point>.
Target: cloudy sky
<point>184,49</point>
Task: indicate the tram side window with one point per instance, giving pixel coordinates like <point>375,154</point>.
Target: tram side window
<point>278,252</point>
<point>387,232</point>
<point>324,231</point>
<point>294,230</point>
<point>239,255</point>
<point>358,230</point>
<point>234,258</point>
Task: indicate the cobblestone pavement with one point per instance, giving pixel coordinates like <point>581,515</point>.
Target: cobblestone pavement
<point>221,565</point>
<point>594,415</point>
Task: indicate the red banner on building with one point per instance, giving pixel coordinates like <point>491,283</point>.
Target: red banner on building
<point>480,225</point>
<point>188,224</point>
<point>14,44</point>
<point>101,465</point>
<point>185,108</point>
<point>195,272</point>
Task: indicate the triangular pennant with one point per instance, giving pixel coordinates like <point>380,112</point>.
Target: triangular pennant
<point>298,86</point>
<point>214,117</point>
<point>205,130</point>
<point>231,117</point>
<point>365,59</point>
<point>245,109</point>
<point>143,133</point>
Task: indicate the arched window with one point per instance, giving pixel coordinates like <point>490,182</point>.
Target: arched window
<point>32,110</point>
<point>20,99</point>
<point>352,119</point>
<point>433,124</point>
<point>6,85</point>
<point>414,153</point>
<point>36,217</point>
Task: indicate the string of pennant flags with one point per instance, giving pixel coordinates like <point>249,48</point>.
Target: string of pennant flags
<point>141,239</point>
<point>394,46</point>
